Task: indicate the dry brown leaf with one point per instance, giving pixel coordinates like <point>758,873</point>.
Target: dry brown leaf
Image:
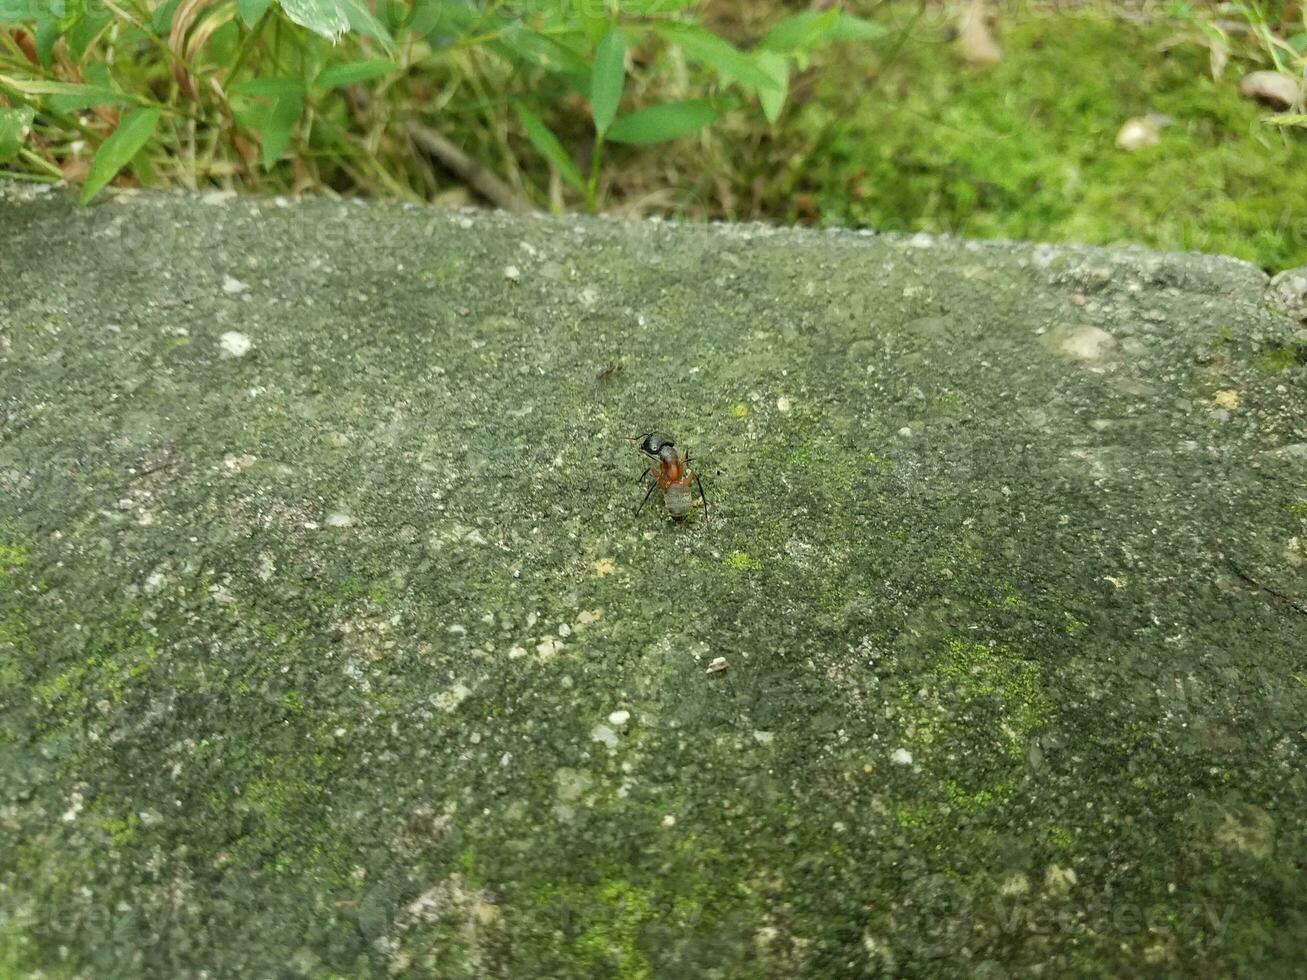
<point>185,42</point>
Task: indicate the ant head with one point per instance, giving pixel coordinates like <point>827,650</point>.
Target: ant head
<point>652,443</point>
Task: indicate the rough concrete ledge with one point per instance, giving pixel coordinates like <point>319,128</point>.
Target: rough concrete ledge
<point>331,644</point>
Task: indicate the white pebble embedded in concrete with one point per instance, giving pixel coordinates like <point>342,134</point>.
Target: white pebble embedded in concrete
<point>235,344</point>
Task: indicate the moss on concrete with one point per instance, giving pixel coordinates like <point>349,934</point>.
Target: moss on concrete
<point>336,647</point>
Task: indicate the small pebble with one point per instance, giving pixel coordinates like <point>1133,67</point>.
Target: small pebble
<point>235,344</point>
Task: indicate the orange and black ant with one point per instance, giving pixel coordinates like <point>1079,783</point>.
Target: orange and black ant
<point>672,474</point>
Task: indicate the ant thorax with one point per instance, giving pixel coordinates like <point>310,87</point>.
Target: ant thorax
<point>671,464</point>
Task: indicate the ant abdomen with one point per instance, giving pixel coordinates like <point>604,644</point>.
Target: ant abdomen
<point>679,501</point>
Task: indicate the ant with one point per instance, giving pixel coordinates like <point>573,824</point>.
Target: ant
<point>671,474</point>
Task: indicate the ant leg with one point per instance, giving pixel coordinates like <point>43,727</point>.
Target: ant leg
<point>702,496</point>
<point>647,494</point>
<point>647,471</point>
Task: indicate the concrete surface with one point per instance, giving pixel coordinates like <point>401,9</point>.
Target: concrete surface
<point>330,644</point>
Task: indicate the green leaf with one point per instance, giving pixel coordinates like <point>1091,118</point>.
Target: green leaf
<point>161,22</point>
<point>14,124</point>
<point>361,19</point>
<point>660,123</point>
<point>133,132</point>
<point>799,32</point>
<point>47,32</point>
<point>440,21</point>
<point>1288,119</point>
<point>646,8</point>
<point>354,72</point>
<point>518,44</point>
<point>81,33</point>
<point>70,96</point>
<point>773,99</point>
<point>552,150</point>
<point>606,80</point>
<point>593,17</point>
<point>326,17</point>
<point>252,10</point>
<point>72,12</point>
<point>730,63</point>
<point>275,115</point>
<point>15,12</point>
<point>850,28</point>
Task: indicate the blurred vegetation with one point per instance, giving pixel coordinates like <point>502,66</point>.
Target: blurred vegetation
<point>865,114</point>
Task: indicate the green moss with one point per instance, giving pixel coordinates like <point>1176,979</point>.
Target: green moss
<point>614,940</point>
<point>978,703</point>
<point>116,658</point>
<point>979,671</point>
<point>17,953</point>
<point>1025,149</point>
<point>1282,358</point>
<point>742,562</point>
<point>121,831</point>
<point>13,630</point>
<point>12,555</point>
<point>1074,627</point>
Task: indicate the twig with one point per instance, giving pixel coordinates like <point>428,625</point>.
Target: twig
<point>167,463</point>
<point>1283,596</point>
<point>467,170</point>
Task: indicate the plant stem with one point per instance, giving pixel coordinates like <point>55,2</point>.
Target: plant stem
<point>34,178</point>
<point>63,119</point>
<point>592,185</point>
<point>42,162</point>
<point>245,47</point>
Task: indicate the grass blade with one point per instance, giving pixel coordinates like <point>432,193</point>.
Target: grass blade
<point>552,150</point>
<point>71,95</point>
